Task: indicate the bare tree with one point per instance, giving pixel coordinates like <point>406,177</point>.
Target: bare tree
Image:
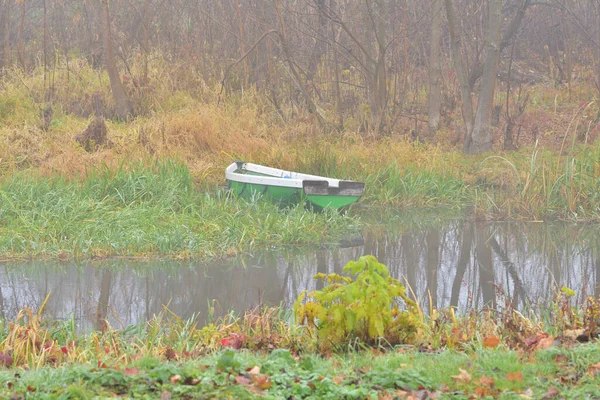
<point>435,67</point>
<point>481,137</point>
<point>124,107</point>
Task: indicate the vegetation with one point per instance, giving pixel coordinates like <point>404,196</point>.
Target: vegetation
<point>364,308</point>
<point>147,210</point>
<point>118,149</point>
<point>263,352</point>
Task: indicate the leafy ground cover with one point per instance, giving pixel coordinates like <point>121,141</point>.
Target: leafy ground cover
<point>403,373</point>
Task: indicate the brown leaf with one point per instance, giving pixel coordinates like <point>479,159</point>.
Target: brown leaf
<point>242,380</point>
<point>491,342</point>
<point>131,371</point>
<point>594,369</point>
<point>528,394</point>
<point>551,393</point>
<point>560,358</point>
<point>165,395</point>
<point>515,376</point>
<point>262,382</point>
<point>338,380</point>
<point>5,360</point>
<point>254,370</point>
<point>486,381</point>
<point>175,379</point>
<point>545,343</point>
<point>192,381</point>
<point>462,377</point>
<point>170,354</point>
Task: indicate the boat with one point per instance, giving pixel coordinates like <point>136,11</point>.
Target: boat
<point>286,187</point>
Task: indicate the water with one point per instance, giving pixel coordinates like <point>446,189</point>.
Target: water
<point>460,263</point>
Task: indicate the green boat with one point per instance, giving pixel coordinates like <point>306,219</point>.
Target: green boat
<point>288,187</point>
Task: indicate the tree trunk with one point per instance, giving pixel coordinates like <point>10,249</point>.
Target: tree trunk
<point>339,105</point>
<point>435,68</point>
<point>6,55</point>
<point>146,41</point>
<point>461,72</point>
<point>378,89</point>
<point>124,108</point>
<point>482,127</point>
<point>319,48</point>
<point>238,8</point>
<point>598,50</point>
<point>20,35</point>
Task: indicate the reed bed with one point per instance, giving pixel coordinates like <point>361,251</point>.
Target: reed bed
<point>147,210</point>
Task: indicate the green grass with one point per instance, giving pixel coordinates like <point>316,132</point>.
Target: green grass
<point>353,376</point>
<point>152,210</point>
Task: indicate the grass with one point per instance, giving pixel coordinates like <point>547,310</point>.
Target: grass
<point>154,209</point>
<point>555,176</point>
<point>280,374</point>
<point>260,354</point>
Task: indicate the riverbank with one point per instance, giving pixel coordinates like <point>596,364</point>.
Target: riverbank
<point>405,374</point>
<point>154,210</point>
<point>264,353</point>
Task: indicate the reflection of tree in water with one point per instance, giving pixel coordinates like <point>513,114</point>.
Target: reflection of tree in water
<point>460,263</point>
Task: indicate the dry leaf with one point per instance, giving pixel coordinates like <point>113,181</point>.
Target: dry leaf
<point>486,381</point>
<point>462,377</point>
<point>551,393</point>
<point>242,380</point>
<point>594,369</point>
<point>175,378</point>
<point>491,342</point>
<point>545,343</point>
<point>528,394</point>
<point>262,382</point>
<point>165,395</point>
<point>515,376</point>
<point>254,370</point>
<point>131,371</point>
<point>560,358</point>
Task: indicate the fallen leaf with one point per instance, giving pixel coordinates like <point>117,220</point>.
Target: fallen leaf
<point>131,371</point>
<point>462,377</point>
<point>515,376</point>
<point>551,393</point>
<point>170,354</point>
<point>560,358</point>
<point>594,369</point>
<point>262,382</point>
<point>545,343</point>
<point>528,394</point>
<point>5,360</point>
<point>175,379</point>
<point>338,380</point>
<point>254,370</point>
<point>486,381</point>
<point>491,342</point>
<point>242,380</point>
<point>192,381</point>
<point>529,342</point>
<point>165,395</point>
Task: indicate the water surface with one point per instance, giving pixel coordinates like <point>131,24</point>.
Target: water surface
<point>460,263</point>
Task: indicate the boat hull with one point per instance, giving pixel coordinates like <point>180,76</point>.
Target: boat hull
<point>249,180</point>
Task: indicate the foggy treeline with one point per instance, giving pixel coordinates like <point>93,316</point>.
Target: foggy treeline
<point>380,61</point>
